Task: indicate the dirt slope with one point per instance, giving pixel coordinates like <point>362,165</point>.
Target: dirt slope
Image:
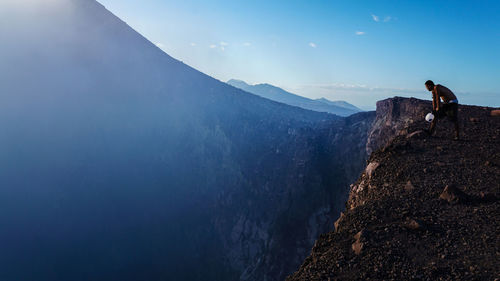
<point>400,225</point>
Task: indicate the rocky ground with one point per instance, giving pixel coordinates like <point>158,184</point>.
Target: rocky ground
<point>426,208</point>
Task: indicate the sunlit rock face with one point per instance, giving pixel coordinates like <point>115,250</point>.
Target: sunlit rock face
<point>393,116</point>
<point>118,162</point>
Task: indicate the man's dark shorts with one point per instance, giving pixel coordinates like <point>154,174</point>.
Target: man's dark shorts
<point>448,109</point>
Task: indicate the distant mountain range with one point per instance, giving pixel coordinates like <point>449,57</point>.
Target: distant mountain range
<point>271,92</point>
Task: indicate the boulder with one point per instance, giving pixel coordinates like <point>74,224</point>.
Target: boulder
<point>417,134</point>
<point>409,186</point>
<point>453,195</point>
<point>414,224</point>
<point>337,222</point>
<point>486,197</point>
<point>358,244</point>
<point>370,169</point>
<point>360,235</point>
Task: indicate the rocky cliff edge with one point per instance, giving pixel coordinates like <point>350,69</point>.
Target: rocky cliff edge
<point>425,208</point>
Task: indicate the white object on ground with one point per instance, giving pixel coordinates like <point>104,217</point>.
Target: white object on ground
<point>429,117</point>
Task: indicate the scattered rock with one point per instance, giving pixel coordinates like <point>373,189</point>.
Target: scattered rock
<point>453,195</point>
<point>416,134</point>
<point>360,235</point>
<point>357,246</point>
<point>370,169</point>
<point>486,197</point>
<point>337,222</point>
<point>495,112</point>
<point>409,186</point>
<point>414,224</point>
<point>474,119</point>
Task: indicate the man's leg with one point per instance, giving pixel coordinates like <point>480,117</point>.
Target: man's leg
<point>454,112</point>
<point>433,125</point>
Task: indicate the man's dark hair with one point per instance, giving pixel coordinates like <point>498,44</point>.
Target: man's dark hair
<point>430,83</point>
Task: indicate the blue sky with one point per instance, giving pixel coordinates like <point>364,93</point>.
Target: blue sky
<point>359,51</point>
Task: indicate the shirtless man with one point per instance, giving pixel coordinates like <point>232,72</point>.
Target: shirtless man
<point>449,106</point>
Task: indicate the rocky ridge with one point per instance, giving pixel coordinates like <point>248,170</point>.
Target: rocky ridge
<point>425,208</point>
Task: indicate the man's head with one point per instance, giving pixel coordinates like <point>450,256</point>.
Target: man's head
<point>429,85</point>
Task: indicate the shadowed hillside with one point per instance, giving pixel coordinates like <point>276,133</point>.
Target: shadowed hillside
<point>118,162</point>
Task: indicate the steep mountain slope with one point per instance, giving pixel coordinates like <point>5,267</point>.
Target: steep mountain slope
<point>118,162</point>
<point>262,223</point>
<point>426,208</point>
<point>271,92</point>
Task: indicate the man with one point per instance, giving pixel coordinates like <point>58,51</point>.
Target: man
<point>449,106</point>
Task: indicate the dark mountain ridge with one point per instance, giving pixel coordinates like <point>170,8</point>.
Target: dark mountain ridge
<point>425,208</point>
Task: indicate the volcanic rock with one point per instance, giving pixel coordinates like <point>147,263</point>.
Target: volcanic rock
<point>409,186</point>
<point>453,195</point>
<point>413,235</point>
<point>358,245</point>
<point>417,134</point>
<point>414,224</point>
<point>370,169</point>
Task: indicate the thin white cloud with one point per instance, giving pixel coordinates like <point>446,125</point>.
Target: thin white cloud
<point>223,45</point>
<point>247,44</point>
<point>363,88</point>
<point>360,33</point>
<point>192,44</point>
<point>213,46</point>
<point>313,45</point>
<point>377,18</point>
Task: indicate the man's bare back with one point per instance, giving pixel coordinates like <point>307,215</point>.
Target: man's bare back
<point>444,93</point>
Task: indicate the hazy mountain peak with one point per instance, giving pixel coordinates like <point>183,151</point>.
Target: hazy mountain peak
<point>272,92</point>
<point>236,81</point>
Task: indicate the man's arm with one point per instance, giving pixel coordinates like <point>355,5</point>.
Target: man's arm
<point>435,99</point>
